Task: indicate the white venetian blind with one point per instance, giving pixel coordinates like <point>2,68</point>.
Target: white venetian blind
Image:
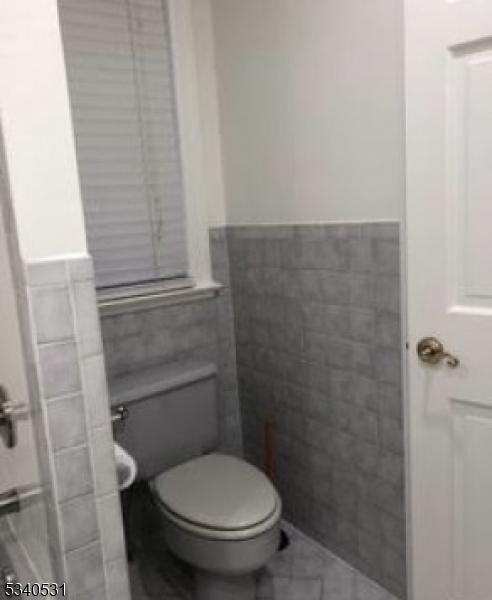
<point>120,77</point>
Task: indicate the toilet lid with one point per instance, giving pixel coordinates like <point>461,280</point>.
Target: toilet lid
<point>217,492</point>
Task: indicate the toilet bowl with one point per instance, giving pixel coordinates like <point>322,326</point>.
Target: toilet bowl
<point>220,515</point>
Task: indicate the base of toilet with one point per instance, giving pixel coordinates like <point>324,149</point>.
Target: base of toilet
<point>209,586</point>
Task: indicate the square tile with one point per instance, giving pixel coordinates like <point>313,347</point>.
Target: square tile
<point>388,365</point>
<point>99,594</point>
<point>79,522</point>
<point>73,473</point>
<point>393,564</point>
<point>88,329</point>
<point>59,369</point>
<point>381,230</point>
<point>85,569</point>
<point>52,313</point>
<point>95,390</point>
<point>67,422</point>
<point>366,589</point>
<point>117,576</point>
<point>388,330</point>
<point>103,461</point>
<point>339,582</point>
<point>80,268</point>
<point>110,522</point>
<point>387,293</point>
<point>390,468</point>
<point>362,291</point>
<point>386,255</point>
<point>46,272</point>
<point>391,434</point>
<point>289,588</point>
<point>390,400</point>
<point>363,325</point>
<point>360,255</point>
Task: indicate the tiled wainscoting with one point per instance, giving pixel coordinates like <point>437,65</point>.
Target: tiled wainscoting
<point>318,351</point>
<point>84,515</point>
<point>201,329</point>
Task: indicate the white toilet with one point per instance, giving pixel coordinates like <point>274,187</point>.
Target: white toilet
<point>219,514</point>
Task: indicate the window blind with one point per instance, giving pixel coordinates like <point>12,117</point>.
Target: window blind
<point>120,79</point>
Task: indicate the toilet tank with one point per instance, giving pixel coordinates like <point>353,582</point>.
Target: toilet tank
<point>172,414</point>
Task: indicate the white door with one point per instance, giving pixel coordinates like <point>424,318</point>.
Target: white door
<point>449,254</point>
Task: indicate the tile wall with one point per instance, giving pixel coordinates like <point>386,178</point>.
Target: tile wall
<point>201,329</point>
<point>84,514</point>
<point>318,338</point>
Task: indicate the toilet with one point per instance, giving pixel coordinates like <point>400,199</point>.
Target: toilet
<point>218,513</point>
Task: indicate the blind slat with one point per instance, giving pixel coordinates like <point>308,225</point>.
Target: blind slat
<point>119,68</point>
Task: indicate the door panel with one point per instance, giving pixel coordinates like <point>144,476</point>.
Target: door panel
<point>470,148</point>
<point>449,266</point>
<point>472,439</point>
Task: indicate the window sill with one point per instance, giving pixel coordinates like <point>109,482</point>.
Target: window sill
<point>117,305</point>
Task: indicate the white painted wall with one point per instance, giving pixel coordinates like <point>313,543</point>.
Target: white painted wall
<point>34,109</point>
<point>311,108</point>
<point>212,192</point>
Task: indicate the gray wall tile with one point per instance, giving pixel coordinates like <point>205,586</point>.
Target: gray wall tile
<point>318,340</point>
<point>46,273</point>
<point>81,269</point>
<point>66,422</point>
<point>52,313</point>
<point>88,330</point>
<point>59,369</point>
<point>73,473</point>
<point>101,442</point>
<point>79,522</point>
<point>95,390</point>
<point>74,407</point>
<point>386,256</point>
<point>99,594</point>
<point>109,514</point>
<point>117,576</point>
<point>85,569</point>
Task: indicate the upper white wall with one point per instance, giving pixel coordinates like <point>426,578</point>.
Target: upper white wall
<point>311,108</point>
<point>212,193</point>
<point>34,108</point>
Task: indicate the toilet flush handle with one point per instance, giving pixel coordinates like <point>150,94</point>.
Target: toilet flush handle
<point>120,413</point>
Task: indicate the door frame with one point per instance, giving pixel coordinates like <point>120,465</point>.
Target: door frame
<point>405,346</point>
<point>405,391</point>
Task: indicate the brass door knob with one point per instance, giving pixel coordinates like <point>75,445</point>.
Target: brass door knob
<point>431,351</point>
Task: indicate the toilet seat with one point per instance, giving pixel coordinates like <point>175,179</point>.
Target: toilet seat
<point>218,497</point>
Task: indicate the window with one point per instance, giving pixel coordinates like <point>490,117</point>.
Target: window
<point>121,84</point>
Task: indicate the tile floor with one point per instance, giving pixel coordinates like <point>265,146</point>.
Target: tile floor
<point>304,571</point>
